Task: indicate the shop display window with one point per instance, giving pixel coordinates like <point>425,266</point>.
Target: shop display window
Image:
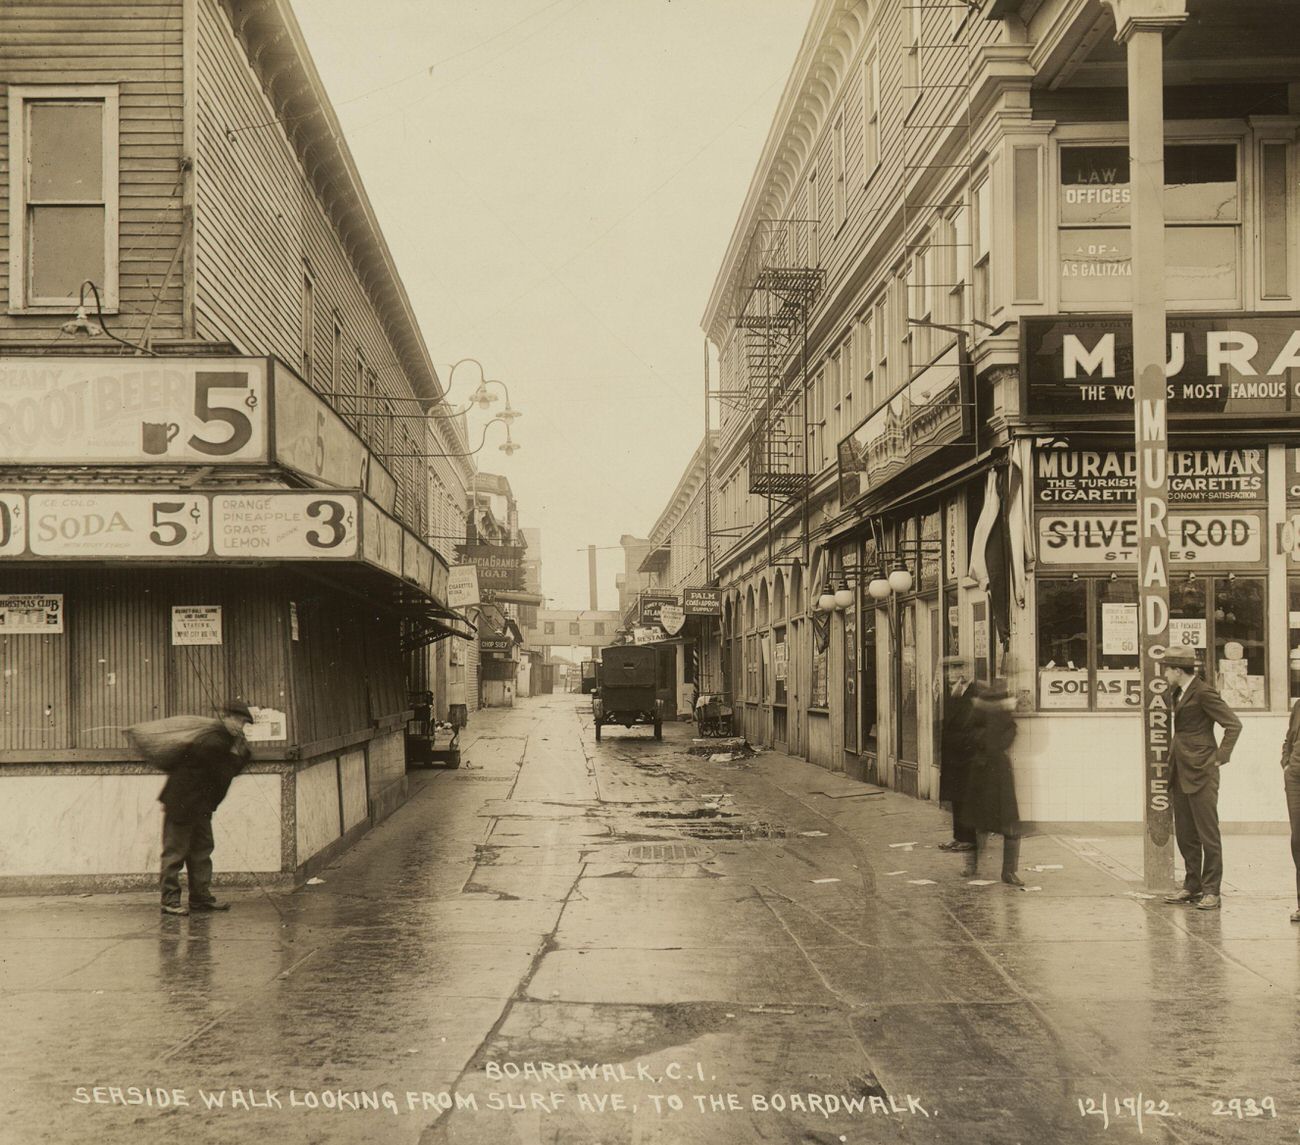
<point>1063,644</point>
<point>1088,654</point>
<point>1293,636</point>
<point>1223,619</point>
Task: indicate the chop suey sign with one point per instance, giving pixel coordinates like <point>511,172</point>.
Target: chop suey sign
<point>1246,365</point>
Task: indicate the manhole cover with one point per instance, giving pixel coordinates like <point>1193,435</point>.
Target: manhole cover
<point>666,852</point>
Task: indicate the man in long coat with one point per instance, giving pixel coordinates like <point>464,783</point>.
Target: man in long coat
<point>956,748</point>
<point>1194,785</point>
<point>193,791</point>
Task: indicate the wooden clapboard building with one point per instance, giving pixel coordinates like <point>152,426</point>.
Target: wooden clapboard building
<point>205,491</point>
<point>923,329</point>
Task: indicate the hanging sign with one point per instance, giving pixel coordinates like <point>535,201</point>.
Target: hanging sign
<point>29,613</point>
<point>462,586</point>
<point>673,618</point>
<point>652,604</point>
<point>1205,538</point>
<point>702,601</point>
<point>196,624</point>
<point>1064,476</point>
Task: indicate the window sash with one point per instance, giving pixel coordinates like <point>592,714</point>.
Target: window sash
<point>24,206</point>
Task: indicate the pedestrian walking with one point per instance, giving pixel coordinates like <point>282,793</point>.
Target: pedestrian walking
<point>198,782</point>
<point>988,804</point>
<point>956,747</point>
<point>1194,786</point>
<point>1291,782</point>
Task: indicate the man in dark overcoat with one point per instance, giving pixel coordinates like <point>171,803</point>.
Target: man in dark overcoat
<point>193,791</point>
<point>1194,786</point>
<point>956,747</point>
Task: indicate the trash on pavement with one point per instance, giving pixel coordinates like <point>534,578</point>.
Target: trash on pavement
<point>1031,888</point>
<point>908,845</point>
<point>979,882</point>
<point>314,882</point>
<point>826,880</point>
<point>895,872</point>
<point>813,834</point>
<point>722,757</point>
<point>1047,867</point>
<point>1138,895</point>
<point>922,882</point>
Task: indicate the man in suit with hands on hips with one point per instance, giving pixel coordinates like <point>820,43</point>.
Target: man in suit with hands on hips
<point>1196,755</point>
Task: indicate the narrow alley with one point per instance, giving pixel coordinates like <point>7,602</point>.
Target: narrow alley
<point>627,942</point>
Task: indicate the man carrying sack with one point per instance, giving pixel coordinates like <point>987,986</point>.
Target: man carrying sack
<point>202,758</point>
<point>1194,791</point>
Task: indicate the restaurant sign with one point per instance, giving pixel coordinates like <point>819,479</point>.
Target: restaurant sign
<point>931,412</point>
<point>1086,539</point>
<point>1065,476</point>
<point>1242,367</point>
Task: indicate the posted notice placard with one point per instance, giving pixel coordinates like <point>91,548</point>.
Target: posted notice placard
<point>196,624</point>
<point>30,613</point>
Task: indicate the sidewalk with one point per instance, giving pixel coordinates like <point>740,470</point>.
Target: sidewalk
<point>746,930</point>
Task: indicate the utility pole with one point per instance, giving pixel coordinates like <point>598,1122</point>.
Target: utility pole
<point>591,577</point>
<point>1140,25</point>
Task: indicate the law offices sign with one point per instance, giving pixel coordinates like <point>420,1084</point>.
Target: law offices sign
<point>1235,370</point>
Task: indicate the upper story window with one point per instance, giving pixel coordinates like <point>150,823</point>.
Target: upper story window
<point>308,326</point>
<point>1203,220</point>
<point>837,158</point>
<point>870,115</point>
<point>63,207</point>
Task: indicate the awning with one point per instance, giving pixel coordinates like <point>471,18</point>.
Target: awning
<point>425,622</point>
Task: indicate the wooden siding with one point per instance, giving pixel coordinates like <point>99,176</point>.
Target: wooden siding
<point>137,46</point>
<point>259,228</point>
<point>115,665</point>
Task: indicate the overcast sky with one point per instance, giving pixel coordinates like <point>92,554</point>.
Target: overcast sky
<point>558,181</point>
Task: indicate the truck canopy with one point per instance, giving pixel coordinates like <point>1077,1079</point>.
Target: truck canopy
<point>627,666</point>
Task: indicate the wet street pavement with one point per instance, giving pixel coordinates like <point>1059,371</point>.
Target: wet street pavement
<point>565,942</point>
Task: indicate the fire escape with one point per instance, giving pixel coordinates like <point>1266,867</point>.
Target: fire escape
<point>776,291</point>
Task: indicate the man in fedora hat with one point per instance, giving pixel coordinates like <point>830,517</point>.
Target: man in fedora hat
<point>193,791</point>
<point>1194,790</point>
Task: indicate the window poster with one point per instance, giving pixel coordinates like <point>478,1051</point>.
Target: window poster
<point>1187,632</point>
<point>1063,689</point>
<point>1119,629</point>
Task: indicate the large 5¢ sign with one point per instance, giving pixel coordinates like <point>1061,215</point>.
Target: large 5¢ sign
<point>73,411</point>
<point>116,525</point>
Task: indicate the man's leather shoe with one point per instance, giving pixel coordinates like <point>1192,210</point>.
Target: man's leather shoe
<point>174,908</point>
<point>209,905</point>
<point>1183,897</point>
<point>1209,902</point>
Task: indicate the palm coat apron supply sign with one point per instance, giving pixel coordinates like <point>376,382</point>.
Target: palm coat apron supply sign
<point>702,601</point>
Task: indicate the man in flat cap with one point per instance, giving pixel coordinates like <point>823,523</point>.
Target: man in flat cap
<point>1194,789</point>
<point>194,789</point>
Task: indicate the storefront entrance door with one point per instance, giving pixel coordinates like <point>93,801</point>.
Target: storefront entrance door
<point>906,666</point>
